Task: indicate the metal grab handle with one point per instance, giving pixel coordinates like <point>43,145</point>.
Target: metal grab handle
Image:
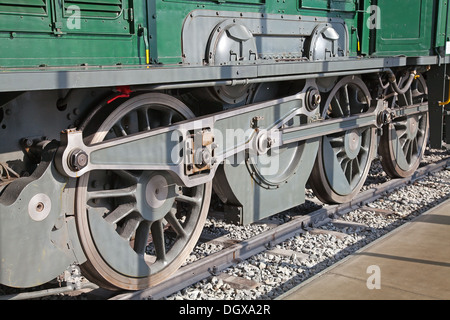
<point>448,100</point>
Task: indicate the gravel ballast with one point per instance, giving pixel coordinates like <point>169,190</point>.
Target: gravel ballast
<point>273,273</point>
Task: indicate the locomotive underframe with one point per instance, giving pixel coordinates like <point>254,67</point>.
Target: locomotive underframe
<point>58,247</point>
<point>154,77</point>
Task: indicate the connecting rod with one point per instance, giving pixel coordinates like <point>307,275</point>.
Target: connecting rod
<point>193,149</point>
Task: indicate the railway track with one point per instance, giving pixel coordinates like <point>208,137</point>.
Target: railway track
<point>268,243</point>
<point>227,266</point>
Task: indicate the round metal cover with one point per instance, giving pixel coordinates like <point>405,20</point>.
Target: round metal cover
<point>324,43</point>
<point>231,42</point>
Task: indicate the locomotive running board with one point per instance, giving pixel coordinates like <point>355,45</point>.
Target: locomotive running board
<point>193,149</point>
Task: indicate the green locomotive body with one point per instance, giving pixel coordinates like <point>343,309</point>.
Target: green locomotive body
<point>120,119</point>
<point>117,32</point>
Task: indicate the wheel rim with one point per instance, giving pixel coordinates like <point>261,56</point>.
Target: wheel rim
<point>278,165</point>
<point>138,227</point>
<point>344,158</point>
<point>404,140</point>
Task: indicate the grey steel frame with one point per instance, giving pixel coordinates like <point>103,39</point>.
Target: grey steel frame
<point>178,76</point>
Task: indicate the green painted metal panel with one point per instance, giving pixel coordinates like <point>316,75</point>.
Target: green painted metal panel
<point>38,50</point>
<point>330,5</point>
<point>71,32</point>
<point>314,4</point>
<point>24,15</point>
<point>96,17</point>
<point>406,27</point>
<point>441,23</point>
<point>22,6</point>
<point>442,40</point>
<point>109,32</point>
<point>365,16</point>
<point>36,32</point>
<point>98,9</point>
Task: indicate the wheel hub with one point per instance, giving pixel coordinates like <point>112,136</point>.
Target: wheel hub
<point>412,126</point>
<point>158,190</point>
<point>352,144</point>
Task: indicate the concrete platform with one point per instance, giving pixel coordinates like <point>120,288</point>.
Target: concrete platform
<point>410,263</point>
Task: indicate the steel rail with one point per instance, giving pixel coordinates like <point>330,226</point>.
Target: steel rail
<point>229,256</point>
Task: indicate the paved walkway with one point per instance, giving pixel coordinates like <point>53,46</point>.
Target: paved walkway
<point>410,263</point>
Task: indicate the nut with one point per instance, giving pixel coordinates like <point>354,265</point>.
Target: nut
<point>78,159</point>
<point>313,99</point>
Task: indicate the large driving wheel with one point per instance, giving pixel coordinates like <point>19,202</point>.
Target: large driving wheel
<point>344,159</point>
<point>404,140</point>
<point>136,227</point>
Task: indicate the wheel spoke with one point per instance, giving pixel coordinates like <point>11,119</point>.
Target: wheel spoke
<point>410,151</point>
<point>158,240</point>
<point>336,106</point>
<point>127,175</point>
<point>337,164</point>
<point>187,199</point>
<point>415,145</point>
<point>401,125</point>
<point>143,120</point>
<point>167,118</point>
<point>346,100</point>
<point>142,237</point>
<point>341,155</point>
<point>176,225</point>
<point>364,150</point>
<point>119,130</point>
<point>357,166</point>
<point>120,212</point>
<point>405,144</point>
<point>113,193</point>
<point>344,164</point>
<point>358,100</point>
<point>349,172</point>
<point>337,142</point>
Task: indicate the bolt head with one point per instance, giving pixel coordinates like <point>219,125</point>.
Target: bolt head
<point>78,159</point>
